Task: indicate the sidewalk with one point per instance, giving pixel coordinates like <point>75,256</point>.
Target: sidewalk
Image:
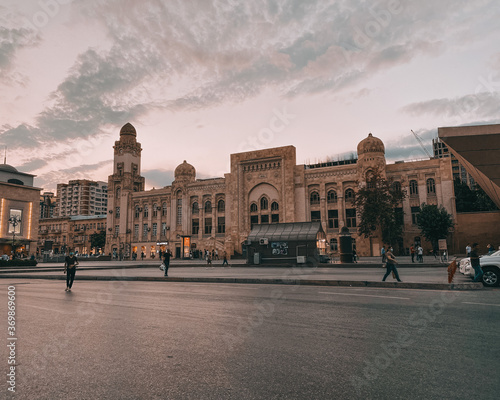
<point>366,275</point>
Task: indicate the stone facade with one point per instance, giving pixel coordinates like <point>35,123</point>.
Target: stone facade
<point>263,186</point>
<point>18,198</point>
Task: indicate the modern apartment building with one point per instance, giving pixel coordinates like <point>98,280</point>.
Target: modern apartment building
<point>82,197</point>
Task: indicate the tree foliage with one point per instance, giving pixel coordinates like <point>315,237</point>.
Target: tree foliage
<point>377,205</point>
<point>434,222</point>
<point>468,200</point>
<point>98,240</point>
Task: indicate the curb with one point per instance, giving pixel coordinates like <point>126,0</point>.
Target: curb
<point>298,282</point>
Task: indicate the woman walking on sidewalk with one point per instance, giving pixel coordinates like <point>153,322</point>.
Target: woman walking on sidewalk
<point>390,265</point>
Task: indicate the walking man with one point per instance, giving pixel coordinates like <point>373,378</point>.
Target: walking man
<point>166,260</point>
<point>224,262</point>
<point>70,263</point>
<point>391,266</point>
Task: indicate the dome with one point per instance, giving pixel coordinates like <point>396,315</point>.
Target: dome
<point>7,168</point>
<point>371,144</point>
<point>185,172</point>
<point>128,129</point>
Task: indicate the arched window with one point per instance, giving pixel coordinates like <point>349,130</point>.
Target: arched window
<point>155,210</point>
<point>370,181</point>
<point>349,195</point>
<point>253,207</point>
<point>136,214</point>
<point>221,206</point>
<point>431,186</point>
<point>275,206</point>
<point>413,188</point>
<point>208,206</point>
<point>164,209</point>
<point>314,198</point>
<point>118,193</point>
<point>146,211</point>
<point>331,196</point>
<point>264,203</point>
<point>195,209</point>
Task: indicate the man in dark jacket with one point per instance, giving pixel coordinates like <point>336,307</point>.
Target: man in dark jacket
<point>70,263</point>
<point>166,261</point>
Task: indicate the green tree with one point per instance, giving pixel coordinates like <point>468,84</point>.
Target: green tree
<point>377,204</point>
<point>434,222</point>
<point>468,200</point>
<point>98,240</point>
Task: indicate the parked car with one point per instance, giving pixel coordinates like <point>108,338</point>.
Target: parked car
<point>490,265</point>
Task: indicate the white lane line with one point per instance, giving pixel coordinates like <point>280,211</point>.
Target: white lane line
<point>365,295</point>
<point>481,304</point>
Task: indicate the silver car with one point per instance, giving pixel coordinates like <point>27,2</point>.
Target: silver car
<point>490,265</point>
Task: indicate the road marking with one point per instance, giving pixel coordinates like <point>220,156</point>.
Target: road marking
<point>366,295</point>
<point>43,308</point>
<point>481,304</point>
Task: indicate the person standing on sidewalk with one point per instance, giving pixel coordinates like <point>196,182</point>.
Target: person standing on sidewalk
<point>391,266</point>
<point>70,263</point>
<point>382,253</point>
<point>412,252</point>
<point>474,262</point>
<point>166,260</point>
<point>420,254</point>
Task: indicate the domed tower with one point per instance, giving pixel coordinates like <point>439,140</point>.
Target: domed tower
<point>184,173</point>
<point>371,156</point>
<point>125,180</point>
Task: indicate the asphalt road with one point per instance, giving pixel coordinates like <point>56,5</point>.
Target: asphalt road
<point>156,340</point>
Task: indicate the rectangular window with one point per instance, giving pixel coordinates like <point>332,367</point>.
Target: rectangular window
<point>275,218</point>
<point>254,220</point>
<point>136,231</point>
<point>117,229</point>
<point>315,216</point>
<point>399,215</point>
<point>164,229</point>
<point>145,231</point>
<point>179,212</point>
<point>208,226</point>
<point>221,225</point>
<point>195,226</point>
<point>117,212</point>
<point>264,219</point>
<point>350,216</point>
<point>333,219</point>
<point>155,229</point>
<point>414,215</point>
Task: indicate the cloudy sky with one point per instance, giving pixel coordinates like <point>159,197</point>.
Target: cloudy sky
<point>201,79</point>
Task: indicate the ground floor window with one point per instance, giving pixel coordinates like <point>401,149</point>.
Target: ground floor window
<point>315,216</point>
<point>195,226</point>
<point>350,214</point>
<point>264,219</point>
<point>254,219</point>
<point>275,218</point>
<point>208,226</point>
<point>334,245</point>
<point>221,225</point>
<point>333,219</point>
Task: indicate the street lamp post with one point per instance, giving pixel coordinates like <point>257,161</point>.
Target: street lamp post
<point>14,221</point>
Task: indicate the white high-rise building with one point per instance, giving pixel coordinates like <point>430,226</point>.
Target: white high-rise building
<point>82,197</point>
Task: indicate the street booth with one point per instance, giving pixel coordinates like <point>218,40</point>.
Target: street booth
<point>288,243</point>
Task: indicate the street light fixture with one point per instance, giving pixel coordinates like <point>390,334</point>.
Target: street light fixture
<point>14,220</point>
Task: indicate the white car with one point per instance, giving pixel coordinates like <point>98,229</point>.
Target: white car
<point>490,265</point>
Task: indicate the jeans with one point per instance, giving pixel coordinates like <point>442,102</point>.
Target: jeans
<point>70,276</point>
<point>479,273</point>
<point>391,268</point>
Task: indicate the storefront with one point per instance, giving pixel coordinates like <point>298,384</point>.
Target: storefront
<point>289,243</point>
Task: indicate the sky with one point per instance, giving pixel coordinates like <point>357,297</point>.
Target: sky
<point>202,79</point>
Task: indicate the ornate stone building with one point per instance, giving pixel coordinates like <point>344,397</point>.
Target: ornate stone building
<point>263,187</point>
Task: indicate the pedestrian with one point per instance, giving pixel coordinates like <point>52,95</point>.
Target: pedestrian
<point>468,250</point>
<point>412,252</point>
<point>166,260</point>
<point>70,263</point>
<point>420,254</point>
<point>354,255</point>
<point>142,256</point>
<point>474,262</point>
<point>224,262</point>
<point>382,253</point>
<point>490,248</point>
<point>209,260</point>
<point>216,254</point>
<point>391,266</point>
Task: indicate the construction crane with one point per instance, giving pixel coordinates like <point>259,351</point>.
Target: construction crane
<point>421,144</point>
